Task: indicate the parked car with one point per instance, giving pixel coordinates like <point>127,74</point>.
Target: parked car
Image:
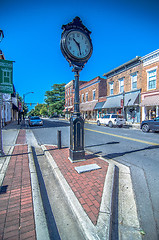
<point>111,120</point>
<point>35,121</point>
<point>148,125</point>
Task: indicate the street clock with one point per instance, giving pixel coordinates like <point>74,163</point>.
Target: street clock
<point>76,44</point>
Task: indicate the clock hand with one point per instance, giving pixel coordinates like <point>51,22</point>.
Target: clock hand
<point>78,45</point>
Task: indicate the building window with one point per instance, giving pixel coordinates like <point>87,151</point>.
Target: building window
<point>151,79</point>
<point>82,98</point>
<point>94,94</point>
<point>134,80</point>
<point>111,88</point>
<point>121,85</point>
<point>87,97</point>
<point>70,101</point>
<point>6,77</point>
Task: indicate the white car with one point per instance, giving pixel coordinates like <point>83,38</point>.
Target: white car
<point>111,120</point>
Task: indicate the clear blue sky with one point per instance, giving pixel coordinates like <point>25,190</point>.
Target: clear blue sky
<point>121,30</point>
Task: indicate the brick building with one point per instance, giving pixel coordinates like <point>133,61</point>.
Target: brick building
<point>150,85</point>
<point>91,93</point>
<point>123,89</point>
<point>69,98</point>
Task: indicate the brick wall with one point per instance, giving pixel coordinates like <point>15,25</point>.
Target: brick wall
<point>127,80</point>
<point>144,76</point>
<point>98,84</point>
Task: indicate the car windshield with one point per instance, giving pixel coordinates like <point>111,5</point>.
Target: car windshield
<point>35,118</point>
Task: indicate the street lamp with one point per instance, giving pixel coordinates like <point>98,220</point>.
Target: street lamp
<point>24,101</point>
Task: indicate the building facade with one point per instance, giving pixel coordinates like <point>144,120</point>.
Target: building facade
<point>91,93</point>
<point>123,88</point>
<point>150,86</point>
<point>69,98</point>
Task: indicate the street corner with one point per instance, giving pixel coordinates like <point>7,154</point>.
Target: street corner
<point>90,193</point>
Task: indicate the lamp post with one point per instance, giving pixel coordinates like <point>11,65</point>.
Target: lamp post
<point>76,46</point>
<point>24,101</point>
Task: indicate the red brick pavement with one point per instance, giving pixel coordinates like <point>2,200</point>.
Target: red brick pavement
<point>16,207</point>
<point>88,186</point>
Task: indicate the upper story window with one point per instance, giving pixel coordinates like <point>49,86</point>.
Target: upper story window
<point>87,97</point>
<point>6,77</point>
<point>151,79</point>
<point>134,80</point>
<point>121,85</point>
<point>94,94</point>
<point>111,85</point>
<point>68,91</point>
<point>82,98</point>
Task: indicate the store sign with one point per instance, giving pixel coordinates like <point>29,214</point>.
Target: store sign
<point>122,103</point>
<point>20,106</point>
<point>6,76</point>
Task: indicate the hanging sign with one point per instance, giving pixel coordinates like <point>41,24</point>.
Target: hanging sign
<point>6,76</point>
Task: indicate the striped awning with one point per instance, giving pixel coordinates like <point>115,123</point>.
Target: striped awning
<point>87,106</point>
<point>150,101</point>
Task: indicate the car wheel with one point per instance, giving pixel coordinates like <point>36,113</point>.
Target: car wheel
<point>145,128</point>
<point>98,123</point>
<point>110,124</point>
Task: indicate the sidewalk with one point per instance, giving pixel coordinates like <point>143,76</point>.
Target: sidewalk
<point>92,196</point>
<point>16,207</point>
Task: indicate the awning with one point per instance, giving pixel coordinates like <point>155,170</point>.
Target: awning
<point>99,105</point>
<point>131,98</point>
<point>68,109</point>
<point>150,101</point>
<point>88,106</point>
<point>113,102</point>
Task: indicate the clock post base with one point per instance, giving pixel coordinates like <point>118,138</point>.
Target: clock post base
<point>76,152</point>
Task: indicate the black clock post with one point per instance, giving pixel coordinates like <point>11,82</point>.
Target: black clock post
<point>76,46</point>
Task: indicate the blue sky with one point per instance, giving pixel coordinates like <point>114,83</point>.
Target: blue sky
<point>121,30</point>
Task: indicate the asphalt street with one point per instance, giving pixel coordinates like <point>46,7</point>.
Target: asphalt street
<point>132,148</point>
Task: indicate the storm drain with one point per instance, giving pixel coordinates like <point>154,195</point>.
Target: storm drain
<point>87,168</point>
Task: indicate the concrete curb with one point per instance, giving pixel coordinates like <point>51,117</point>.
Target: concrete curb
<point>103,228</point>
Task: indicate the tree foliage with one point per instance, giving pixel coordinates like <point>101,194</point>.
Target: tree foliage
<point>55,99</point>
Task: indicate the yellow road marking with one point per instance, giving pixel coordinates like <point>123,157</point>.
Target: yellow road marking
<point>128,138</point>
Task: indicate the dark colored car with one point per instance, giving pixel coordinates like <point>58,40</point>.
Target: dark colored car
<point>148,125</point>
<point>35,121</point>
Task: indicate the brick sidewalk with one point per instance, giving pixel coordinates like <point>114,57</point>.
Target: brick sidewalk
<point>16,206</point>
<point>88,186</point>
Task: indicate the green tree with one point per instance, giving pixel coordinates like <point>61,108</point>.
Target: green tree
<point>56,99</point>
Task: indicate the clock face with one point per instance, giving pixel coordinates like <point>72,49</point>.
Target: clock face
<point>78,44</point>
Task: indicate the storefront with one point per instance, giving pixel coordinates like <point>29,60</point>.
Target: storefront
<point>150,105</point>
<point>87,110</point>
<point>98,109</point>
<point>126,104</point>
